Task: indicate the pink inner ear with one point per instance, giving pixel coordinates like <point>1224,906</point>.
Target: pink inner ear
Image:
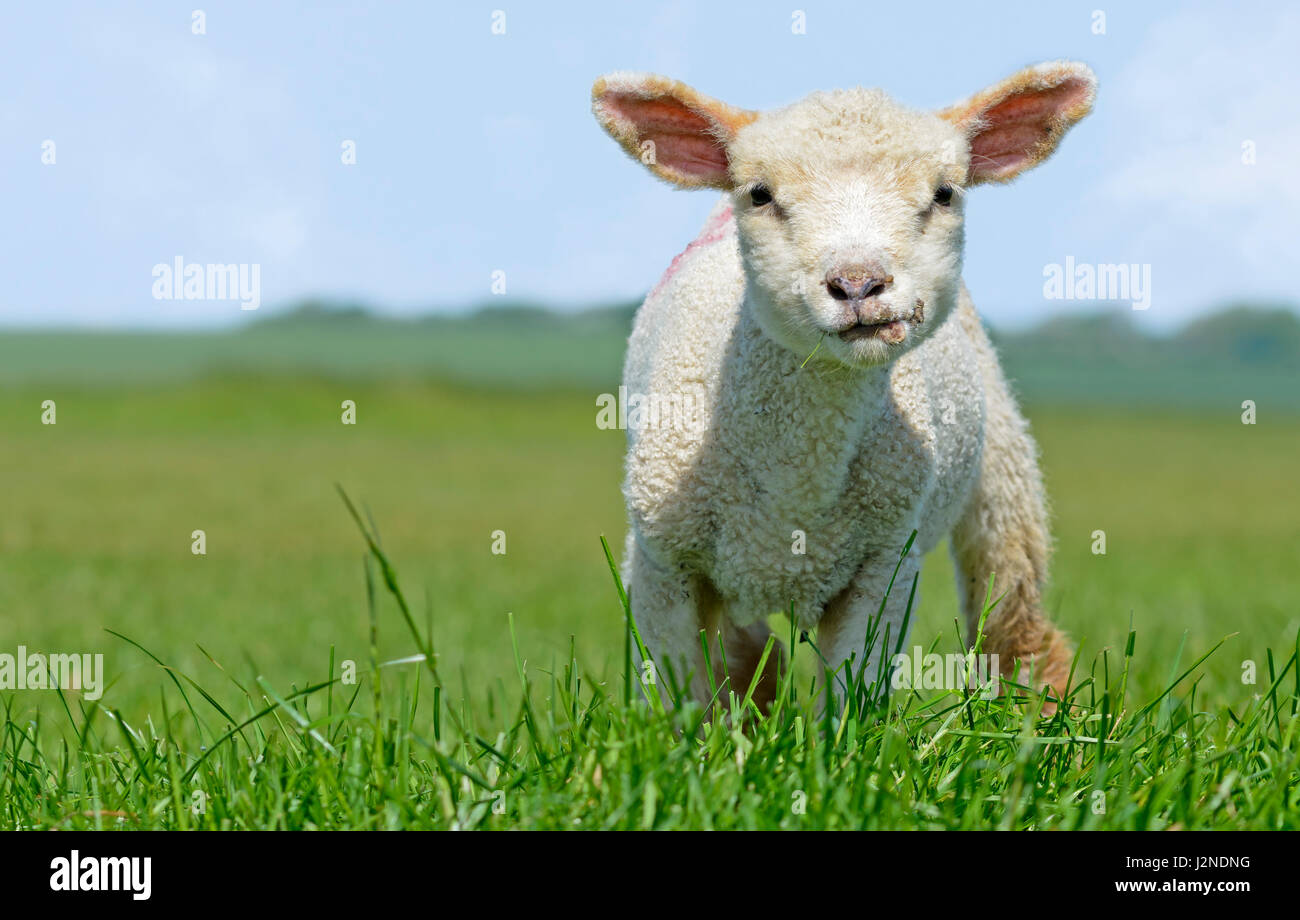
<point>1013,128</point>
<point>683,138</point>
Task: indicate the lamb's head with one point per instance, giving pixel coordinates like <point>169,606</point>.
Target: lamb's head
<point>849,206</point>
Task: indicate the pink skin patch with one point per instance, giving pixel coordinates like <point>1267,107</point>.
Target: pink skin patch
<point>717,228</point>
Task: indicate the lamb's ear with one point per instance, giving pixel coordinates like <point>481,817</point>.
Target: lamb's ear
<point>679,134</point>
<point>1017,123</point>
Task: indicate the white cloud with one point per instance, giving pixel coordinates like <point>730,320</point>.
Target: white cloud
<point>1203,84</point>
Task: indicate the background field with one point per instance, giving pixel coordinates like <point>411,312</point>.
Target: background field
<point>463,431</point>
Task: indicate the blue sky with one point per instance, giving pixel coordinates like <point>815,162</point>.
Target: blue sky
<point>476,152</point>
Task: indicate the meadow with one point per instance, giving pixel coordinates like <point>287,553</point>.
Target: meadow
<point>521,717</point>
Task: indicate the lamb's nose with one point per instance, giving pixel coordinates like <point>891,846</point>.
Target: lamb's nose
<point>857,282</point>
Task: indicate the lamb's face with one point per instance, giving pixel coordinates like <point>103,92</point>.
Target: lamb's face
<point>849,209</point>
<point>849,206</point>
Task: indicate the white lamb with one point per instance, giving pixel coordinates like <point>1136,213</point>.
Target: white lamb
<point>799,479</point>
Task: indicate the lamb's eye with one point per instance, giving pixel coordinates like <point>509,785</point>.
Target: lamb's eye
<point>943,195</point>
<point>760,195</point>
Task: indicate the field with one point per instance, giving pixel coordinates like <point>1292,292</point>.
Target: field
<point>99,510</point>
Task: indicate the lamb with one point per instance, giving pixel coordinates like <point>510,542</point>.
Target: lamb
<point>847,394</point>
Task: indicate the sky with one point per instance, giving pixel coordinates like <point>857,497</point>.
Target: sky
<point>130,137</point>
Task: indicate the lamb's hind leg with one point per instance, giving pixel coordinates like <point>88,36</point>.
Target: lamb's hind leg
<point>1003,533</point>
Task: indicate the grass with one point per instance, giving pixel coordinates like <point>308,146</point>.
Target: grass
<point>578,751</point>
<point>95,536</point>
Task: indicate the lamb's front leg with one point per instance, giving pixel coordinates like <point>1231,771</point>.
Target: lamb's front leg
<point>856,638</point>
<point>670,608</point>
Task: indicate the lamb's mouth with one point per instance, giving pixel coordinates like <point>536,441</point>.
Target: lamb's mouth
<point>891,332</point>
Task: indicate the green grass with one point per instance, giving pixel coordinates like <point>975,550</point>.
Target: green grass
<point>95,535</point>
<point>577,751</point>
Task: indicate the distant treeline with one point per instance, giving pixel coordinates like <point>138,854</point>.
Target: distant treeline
<point>1241,333</point>
<point>1245,351</point>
